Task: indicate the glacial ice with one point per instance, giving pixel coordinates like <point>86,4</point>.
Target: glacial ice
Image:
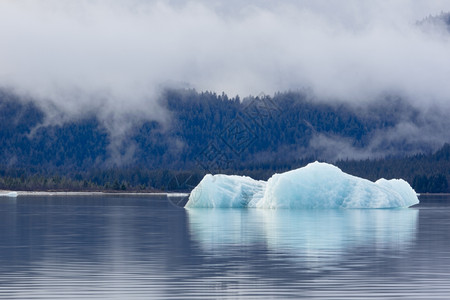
<point>226,191</point>
<point>317,185</point>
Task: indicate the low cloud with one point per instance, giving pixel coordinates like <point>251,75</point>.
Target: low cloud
<point>423,135</point>
<point>113,58</point>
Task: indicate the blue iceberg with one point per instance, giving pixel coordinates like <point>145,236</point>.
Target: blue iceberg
<point>317,185</point>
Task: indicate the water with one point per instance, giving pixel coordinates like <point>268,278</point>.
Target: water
<point>122,247</point>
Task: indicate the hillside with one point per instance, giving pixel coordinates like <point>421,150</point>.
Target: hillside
<point>214,133</point>
<point>285,127</point>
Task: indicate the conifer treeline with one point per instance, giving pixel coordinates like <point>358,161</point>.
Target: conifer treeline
<point>426,174</point>
<point>256,136</point>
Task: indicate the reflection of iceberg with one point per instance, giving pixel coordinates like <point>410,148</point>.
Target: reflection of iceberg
<point>318,185</point>
<point>219,228</point>
<point>328,234</point>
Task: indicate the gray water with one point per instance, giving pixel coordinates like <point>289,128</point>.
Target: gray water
<point>122,247</point>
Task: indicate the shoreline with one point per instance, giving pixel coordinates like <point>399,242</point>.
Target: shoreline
<point>7,193</point>
<point>434,194</point>
<point>12,194</point>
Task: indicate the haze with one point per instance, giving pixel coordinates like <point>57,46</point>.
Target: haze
<point>113,58</point>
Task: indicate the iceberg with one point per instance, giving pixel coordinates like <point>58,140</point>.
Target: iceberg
<point>226,191</point>
<point>317,185</point>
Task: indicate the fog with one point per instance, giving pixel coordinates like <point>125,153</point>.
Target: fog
<point>113,58</point>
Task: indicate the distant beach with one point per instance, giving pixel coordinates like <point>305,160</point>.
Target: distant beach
<point>51,193</point>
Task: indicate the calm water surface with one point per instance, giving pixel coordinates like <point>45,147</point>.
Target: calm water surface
<point>121,247</point>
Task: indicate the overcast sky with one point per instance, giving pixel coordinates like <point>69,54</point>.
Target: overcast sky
<point>130,49</point>
<point>114,57</point>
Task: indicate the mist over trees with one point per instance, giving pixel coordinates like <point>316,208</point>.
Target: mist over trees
<point>432,22</point>
<point>211,133</point>
<point>81,108</point>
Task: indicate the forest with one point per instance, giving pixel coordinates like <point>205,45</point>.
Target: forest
<point>213,133</point>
